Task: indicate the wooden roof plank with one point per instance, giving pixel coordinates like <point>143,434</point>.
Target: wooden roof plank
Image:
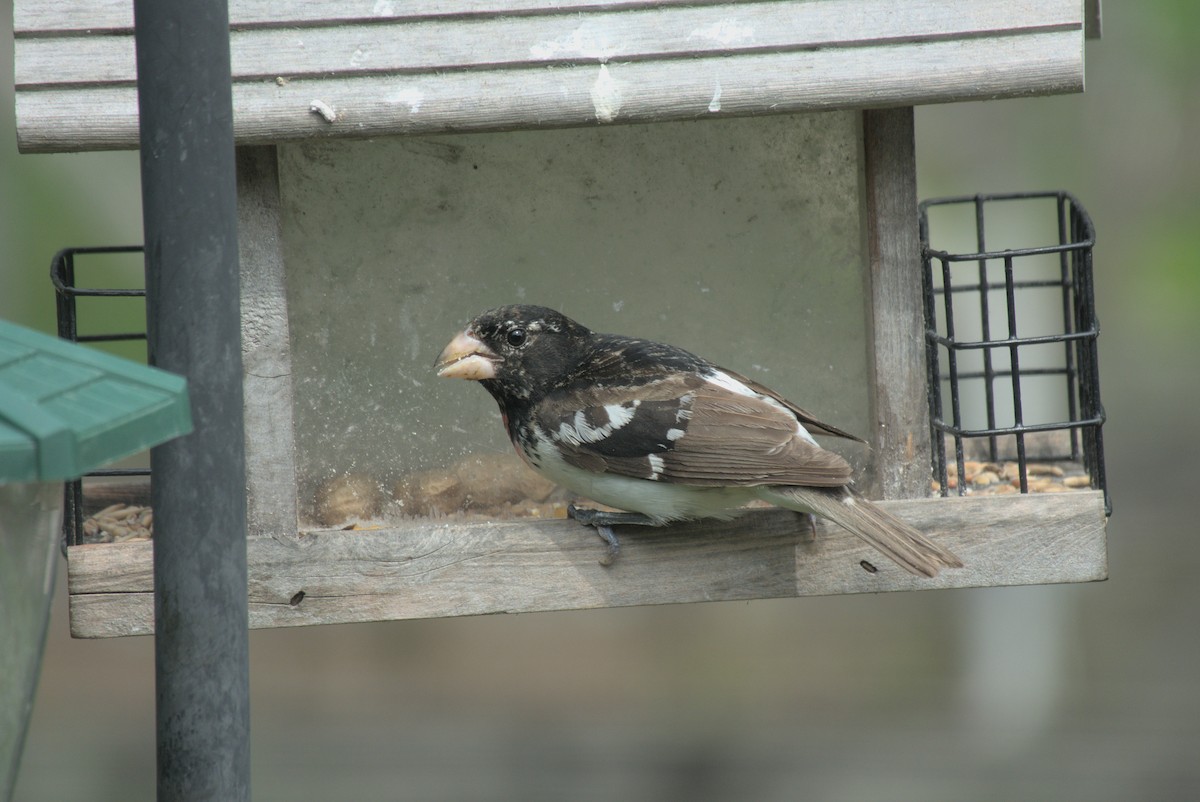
<point>809,80</point>
<point>521,41</point>
<point>33,17</point>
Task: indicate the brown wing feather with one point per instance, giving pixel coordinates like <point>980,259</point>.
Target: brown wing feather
<point>739,440</point>
<point>729,439</point>
<point>809,420</point>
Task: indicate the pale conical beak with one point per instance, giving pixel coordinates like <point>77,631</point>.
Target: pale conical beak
<point>467,358</point>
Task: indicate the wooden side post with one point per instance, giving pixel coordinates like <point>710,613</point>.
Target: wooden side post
<point>266,348</point>
<point>900,410</point>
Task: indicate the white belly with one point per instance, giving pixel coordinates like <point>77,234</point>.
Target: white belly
<point>661,501</point>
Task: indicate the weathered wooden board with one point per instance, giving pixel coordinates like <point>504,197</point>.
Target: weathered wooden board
<point>431,570</point>
<point>900,402</point>
<point>421,46</point>
<point>431,67</point>
<point>266,348</point>
<point>117,15</point>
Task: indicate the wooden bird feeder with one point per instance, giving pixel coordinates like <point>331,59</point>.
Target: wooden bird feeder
<point>735,178</point>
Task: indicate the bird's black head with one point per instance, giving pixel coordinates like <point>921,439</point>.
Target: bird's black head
<point>519,353</point>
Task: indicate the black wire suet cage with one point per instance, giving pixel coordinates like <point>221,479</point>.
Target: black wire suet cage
<point>1011,338</point>
<point>67,295</point>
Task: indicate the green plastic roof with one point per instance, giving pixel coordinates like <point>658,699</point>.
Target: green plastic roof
<point>66,409</point>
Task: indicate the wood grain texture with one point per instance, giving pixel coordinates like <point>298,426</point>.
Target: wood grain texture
<point>625,62</point>
<point>266,349</point>
<point>900,458</point>
<point>427,46</point>
<point>36,17</point>
<point>427,570</point>
<point>117,15</point>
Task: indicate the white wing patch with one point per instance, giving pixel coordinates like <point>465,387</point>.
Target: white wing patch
<point>656,465</point>
<point>620,414</point>
<point>580,430</point>
<point>685,407</point>
<point>727,382</point>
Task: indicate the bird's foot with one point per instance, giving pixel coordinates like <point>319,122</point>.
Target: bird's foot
<point>614,546</point>
<point>603,522</point>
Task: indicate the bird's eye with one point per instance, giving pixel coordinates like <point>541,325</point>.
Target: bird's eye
<point>516,337</point>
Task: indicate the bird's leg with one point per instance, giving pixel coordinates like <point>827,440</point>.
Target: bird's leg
<point>590,517</point>
<point>604,521</point>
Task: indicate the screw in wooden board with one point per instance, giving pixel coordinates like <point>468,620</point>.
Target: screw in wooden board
<point>870,569</point>
<point>299,597</point>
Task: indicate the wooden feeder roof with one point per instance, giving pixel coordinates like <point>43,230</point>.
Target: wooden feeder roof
<point>370,67</point>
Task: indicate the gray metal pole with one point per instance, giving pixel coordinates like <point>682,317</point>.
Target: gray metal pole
<point>189,201</point>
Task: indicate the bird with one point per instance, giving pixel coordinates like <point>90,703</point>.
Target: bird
<point>661,434</point>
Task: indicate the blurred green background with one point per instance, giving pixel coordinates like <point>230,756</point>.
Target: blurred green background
<point>1073,692</point>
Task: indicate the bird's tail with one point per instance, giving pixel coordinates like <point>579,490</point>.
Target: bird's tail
<point>900,542</point>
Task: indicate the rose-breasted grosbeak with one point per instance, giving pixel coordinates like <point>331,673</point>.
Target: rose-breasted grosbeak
<point>662,433</point>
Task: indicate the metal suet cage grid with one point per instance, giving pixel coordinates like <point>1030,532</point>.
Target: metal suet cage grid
<point>67,294</point>
<point>1011,336</point>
